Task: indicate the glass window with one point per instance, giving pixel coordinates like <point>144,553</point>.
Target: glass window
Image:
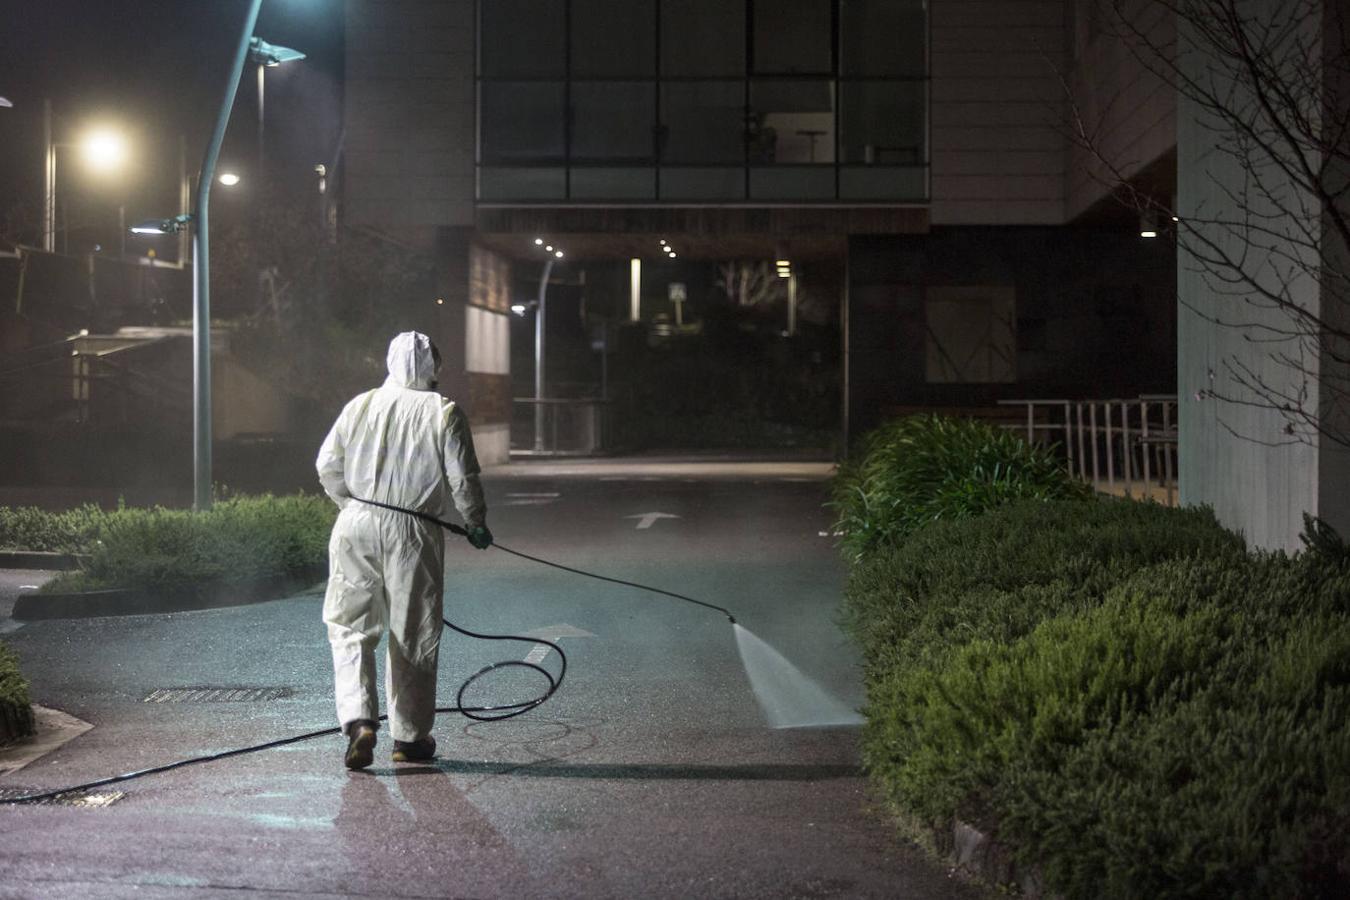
<point>883,122</point>
<point>883,183</point>
<point>613,183</point>
<point>703,38</point>
<point>703,183</point>
<point>703,122</point>
<point>527,183</point>
<point>793,37</point>
<point>792,183</point>
<point>791,121</point>
<point>614,120</point>
<point>883,38</point>
<point>521,121</point>
<point>613,38</point>
<point>522,39</point>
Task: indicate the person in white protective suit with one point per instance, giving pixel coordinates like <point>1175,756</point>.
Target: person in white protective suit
<point>403,445</point>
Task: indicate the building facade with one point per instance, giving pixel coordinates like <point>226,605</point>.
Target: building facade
<point>922,152</point>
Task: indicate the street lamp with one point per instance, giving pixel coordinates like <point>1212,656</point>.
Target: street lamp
<point>267,56</point>
<point>103,150</point>
<point>551,255</point>
<point>201,282</point>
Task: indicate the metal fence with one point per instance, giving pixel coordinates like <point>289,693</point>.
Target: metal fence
<point>1126,446</point>
<point>559,427</point>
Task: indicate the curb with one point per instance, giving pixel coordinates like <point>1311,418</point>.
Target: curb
<point>37,559</point>
<point>34,606</point>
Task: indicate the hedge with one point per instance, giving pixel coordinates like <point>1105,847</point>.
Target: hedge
<point>16,715</point>
<point>1120,693</point>
<point>240,539</point>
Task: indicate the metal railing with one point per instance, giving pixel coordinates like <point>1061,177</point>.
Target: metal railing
<point>559,427</point>
<point>1126,446</point>
<point>89,387</point>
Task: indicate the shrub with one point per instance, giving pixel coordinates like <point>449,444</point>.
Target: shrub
<point>997,575</point>
<point>1121,693</point>
<point>16,715</point>
<point>29,528</point>
<point>920,469</point>
<point>238,540</point>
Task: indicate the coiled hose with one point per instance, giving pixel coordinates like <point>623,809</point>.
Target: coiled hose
<point>477,713</point>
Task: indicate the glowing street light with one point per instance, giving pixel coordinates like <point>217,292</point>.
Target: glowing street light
<point>229,179</point>
<point>103,150</point>
<point>4,102</point>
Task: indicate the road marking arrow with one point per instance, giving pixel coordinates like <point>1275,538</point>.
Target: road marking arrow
<point>648,518</point>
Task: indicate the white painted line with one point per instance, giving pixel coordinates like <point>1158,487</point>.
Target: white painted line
<point>553,494</point>
<point>647,519</point>
<point>554,633</point>
<point>529,502</point>
<point>831,533</point>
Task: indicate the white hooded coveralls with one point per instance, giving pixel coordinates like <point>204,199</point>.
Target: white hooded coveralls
<point>405,445</point>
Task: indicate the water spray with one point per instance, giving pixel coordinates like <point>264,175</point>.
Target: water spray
<point>777,683</point>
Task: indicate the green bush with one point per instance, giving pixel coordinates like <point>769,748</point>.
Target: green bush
<point>998,575</point>
<point>921,469</point>
<point>29,528</point>
<point>1119,692</point>
<point>239,539</point>
<point>16,715</point>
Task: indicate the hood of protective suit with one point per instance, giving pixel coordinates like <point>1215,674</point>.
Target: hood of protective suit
<point>411,361</point>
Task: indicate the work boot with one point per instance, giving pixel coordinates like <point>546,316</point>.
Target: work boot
<point>360,744</point>
<point>415,751</point>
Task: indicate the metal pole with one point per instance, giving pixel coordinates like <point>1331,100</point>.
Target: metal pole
<point>262,152</point>
<point>792,304</point>
<point>122,231</point>
<point>48,181</point>
<point>539,357</point>
<point>201,294</point>
<point>184,199</point>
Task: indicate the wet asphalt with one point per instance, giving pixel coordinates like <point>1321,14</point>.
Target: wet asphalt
<point>652,773</point>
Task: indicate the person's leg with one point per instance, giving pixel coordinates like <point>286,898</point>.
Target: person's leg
<point>355,610</point>
<point>415,576</point>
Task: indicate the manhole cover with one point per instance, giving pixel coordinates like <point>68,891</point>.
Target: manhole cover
<point>86,799</point>
<point>210,694</point>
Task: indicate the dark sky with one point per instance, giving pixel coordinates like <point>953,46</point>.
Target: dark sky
<point>157,69</point>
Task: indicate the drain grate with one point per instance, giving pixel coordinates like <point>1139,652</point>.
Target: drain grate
<point>213,694</point>
<point>83,799</point>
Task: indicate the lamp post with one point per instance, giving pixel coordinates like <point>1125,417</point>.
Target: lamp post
<point>103,149</point>
<point>267,56</point>
<point>201,285</point>
<point>201,281</point>
<point>553,255</point>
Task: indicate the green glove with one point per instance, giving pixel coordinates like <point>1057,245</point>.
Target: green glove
<point>480,537</point>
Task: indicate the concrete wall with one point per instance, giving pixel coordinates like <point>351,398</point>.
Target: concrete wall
<point>1236,452</point>
<point>996,135</point>
<point>409,113</point>
<point>487,352</point>
<point>1128,109</point>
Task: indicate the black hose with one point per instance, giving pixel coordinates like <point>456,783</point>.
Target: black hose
<point>495,713</point>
